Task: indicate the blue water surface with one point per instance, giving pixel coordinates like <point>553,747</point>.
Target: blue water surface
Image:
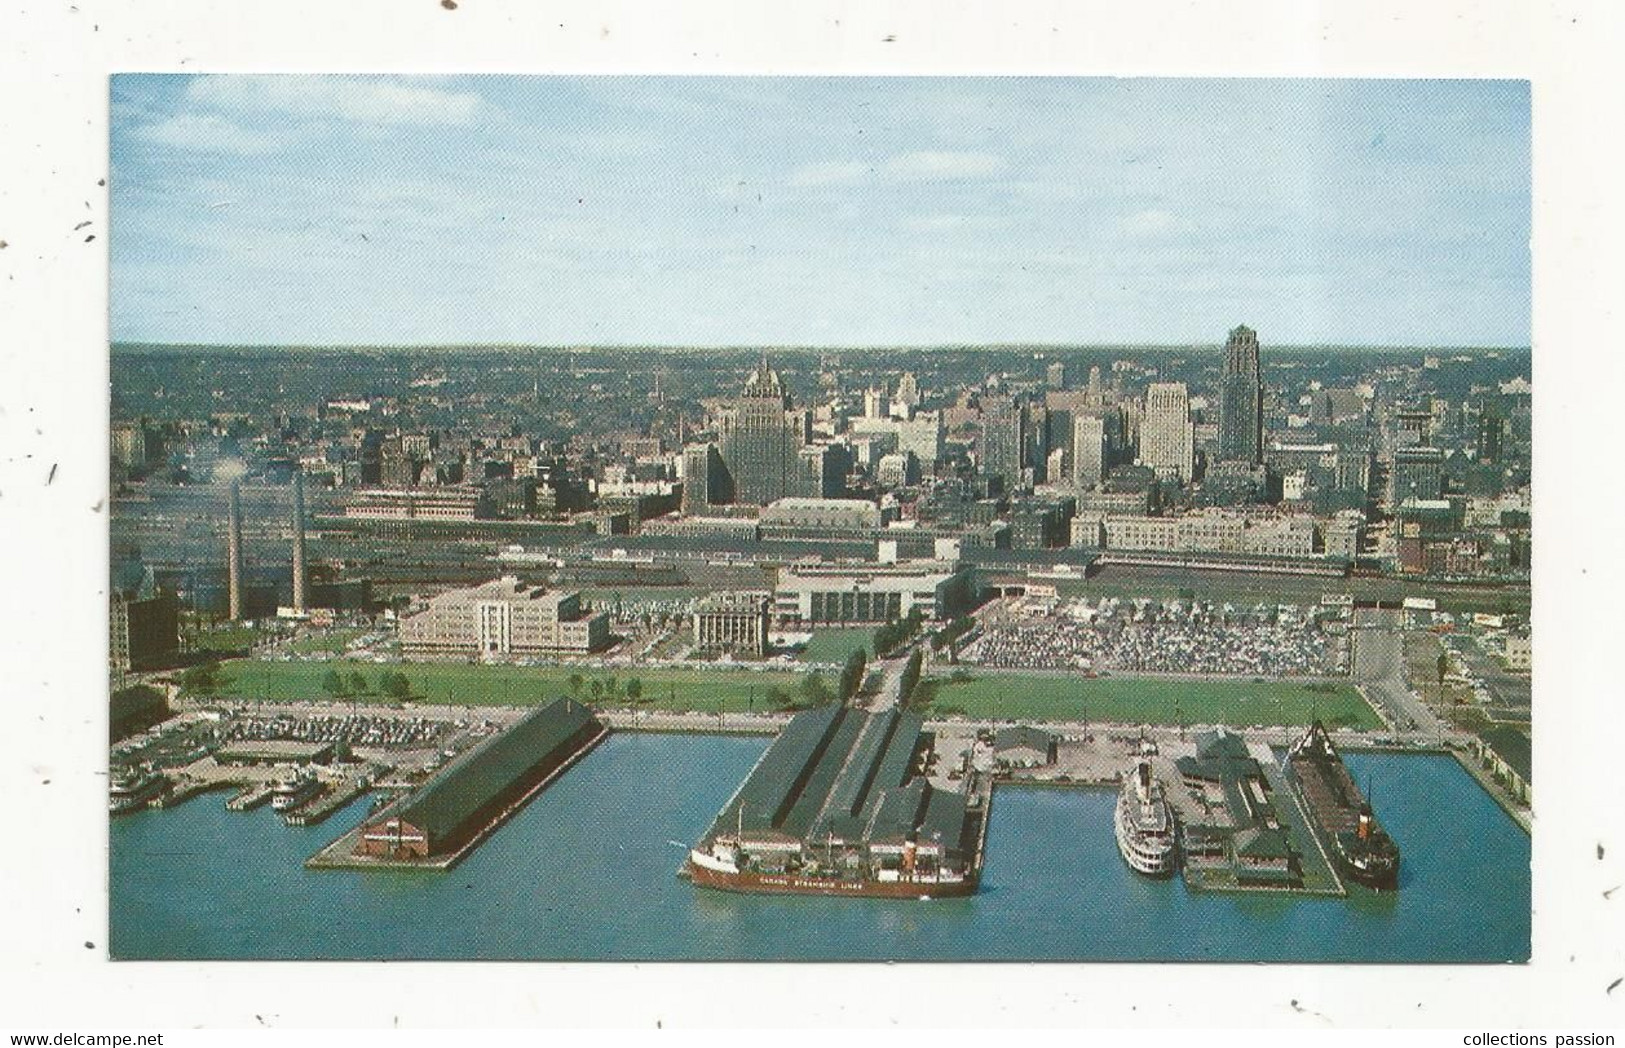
<point>587,872</point>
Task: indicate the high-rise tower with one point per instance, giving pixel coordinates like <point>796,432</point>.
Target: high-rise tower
<point>299,543</point>
<point>761,440</point>
<point>1167,441</point>
<point>1241,400</point>
<point>234,551</point>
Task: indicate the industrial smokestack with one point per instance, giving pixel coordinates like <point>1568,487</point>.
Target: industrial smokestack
<point>299,543</point>
<point>234,551</point>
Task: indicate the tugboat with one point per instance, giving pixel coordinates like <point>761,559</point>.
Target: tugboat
<point>134,788</point>
<point>291,793</point>
<point>1145,823</point>
<point>1340,812</point>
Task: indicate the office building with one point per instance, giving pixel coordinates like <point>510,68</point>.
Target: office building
<point>1167,438</point>
<point>502,618</point>
<point>761,439</point>
<point>1241,400</point>
<point>1089,451</point>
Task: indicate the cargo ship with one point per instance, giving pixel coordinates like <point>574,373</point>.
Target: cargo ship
<point>836,806</point>
<point>1144,822</point>
<point>1342,816</point>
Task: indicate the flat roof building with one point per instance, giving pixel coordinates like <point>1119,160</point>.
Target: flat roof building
<point>503,618</point>
<point>733,622</point>
<point>836,593</point>
<point>461,802</point>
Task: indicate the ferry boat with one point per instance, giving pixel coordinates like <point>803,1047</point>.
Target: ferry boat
<point>1145,823</point>
<point>291,793</point>
<point>133,789</point>
<point>1342,816</point>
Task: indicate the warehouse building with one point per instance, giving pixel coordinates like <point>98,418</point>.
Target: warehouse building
<point>472,795</point>
<point>500,619</point>
<point>839,787</point>
<point>833,593</point>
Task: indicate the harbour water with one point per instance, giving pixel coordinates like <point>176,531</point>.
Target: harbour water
<point>587,872</point>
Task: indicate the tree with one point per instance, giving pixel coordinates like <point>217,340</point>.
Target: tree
<point>396,686</point>
<point>852,673</point>
<point>634,689</point>
<point>575,683</point>
<point>815,690</point>
<point>597,689</point>
<point>358,683</point>
<point>332,683</point>
<point>203,679</point>
<point>1444,666</point>
<point>611,685</point>
<point>911,677</point>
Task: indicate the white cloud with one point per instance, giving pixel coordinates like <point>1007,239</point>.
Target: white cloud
<point>1154,222</point>
<point>366,100</point>
<point>944,222</point>
<point>207,134</point>
<point>830,173</point>
<point>942,166</point>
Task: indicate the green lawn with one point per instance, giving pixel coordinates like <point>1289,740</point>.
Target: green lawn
<point>1142,700</point>
<point>473,685</point>
<point>834,645</point>
<point>333,641</point>
<point>231,637</point>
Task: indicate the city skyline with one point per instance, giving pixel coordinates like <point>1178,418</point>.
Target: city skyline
<point>818,212</point>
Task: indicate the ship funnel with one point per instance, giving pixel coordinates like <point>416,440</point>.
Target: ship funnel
<point>1142,774</point>
<point>1363,830</point>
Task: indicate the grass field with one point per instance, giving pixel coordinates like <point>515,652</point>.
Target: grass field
<point>835,645</point>
<point>473,685</point>
<point>333,641</point>
<point>1141,700</point>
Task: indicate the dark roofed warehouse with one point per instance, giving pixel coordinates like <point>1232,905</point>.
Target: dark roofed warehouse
<point>468,796</point>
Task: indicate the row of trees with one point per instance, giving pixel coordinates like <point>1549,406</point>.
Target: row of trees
<point>852,673</point>
<point>607,688</point>
<point>911,678</point>
<point>893,635</point>
<point>392,684</point>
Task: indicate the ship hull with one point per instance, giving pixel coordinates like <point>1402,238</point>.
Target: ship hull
<point>1145,857</point>
<point>1333,803</point>
<point>795,884</point>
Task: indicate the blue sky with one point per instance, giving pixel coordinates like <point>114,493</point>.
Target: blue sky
<point>331,210</point>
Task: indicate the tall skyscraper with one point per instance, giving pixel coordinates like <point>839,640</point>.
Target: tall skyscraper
<point>1055,374</point>
<point>1167,439</point>
<point>1241,400</point>
<point>1003,440</point>
<point>1088,450</point>
<point>761,440</point>
<point>908,391</point>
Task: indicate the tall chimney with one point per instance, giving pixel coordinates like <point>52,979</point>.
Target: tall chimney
<point>234,551</point>
<point>299,543</point>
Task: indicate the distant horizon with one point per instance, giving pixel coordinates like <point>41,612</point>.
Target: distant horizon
<point>139,345</point>
<point>627,210</point>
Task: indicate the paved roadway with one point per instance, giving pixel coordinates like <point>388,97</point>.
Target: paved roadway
<point>1379,668</point>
